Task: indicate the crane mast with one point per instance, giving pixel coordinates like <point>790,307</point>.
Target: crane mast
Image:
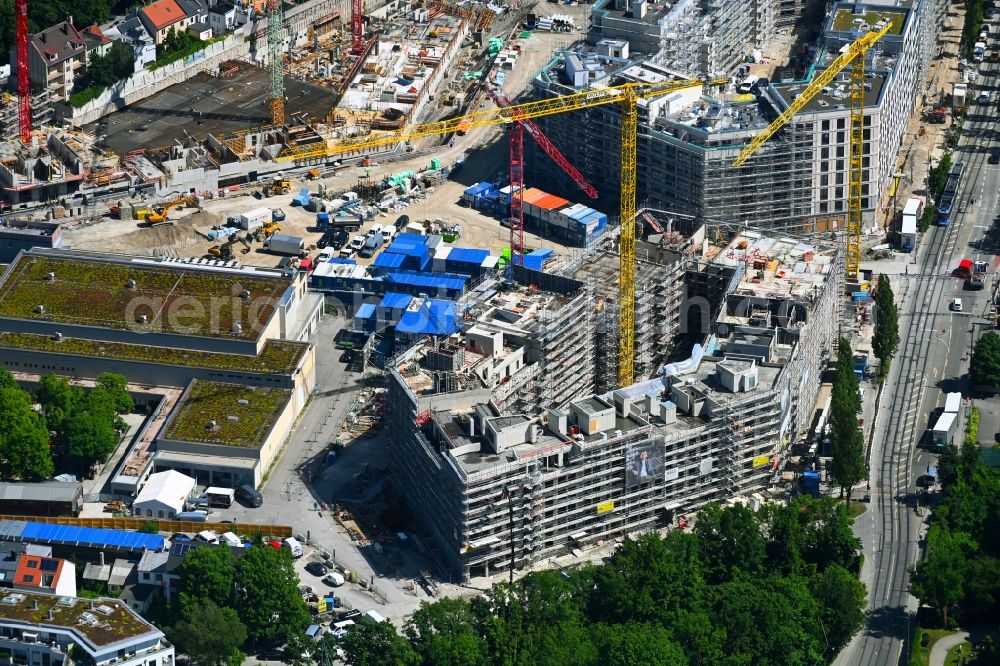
<point>23,81</point>
<point>276,61</point>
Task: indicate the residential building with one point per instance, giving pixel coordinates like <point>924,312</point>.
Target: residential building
<point>693,38</point>
<point>56,56</point>
<point>51,575</point>
<point>161,16</point>
<point>688,139</point>
<point>55,630</point>
<point>201,30</point>
<point>196,10</point>
<point>222,18</point>
<point>590,467</point>
<point>133,32</point>
<point>96,41</point>
<point>163,496</point>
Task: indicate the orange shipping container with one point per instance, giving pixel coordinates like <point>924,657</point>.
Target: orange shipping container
<point>533,195</point>
<point>551,202</point>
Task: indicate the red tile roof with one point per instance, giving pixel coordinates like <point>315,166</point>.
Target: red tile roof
<point>94,31</point>
<point>163,13</point>
<point>33,571</point>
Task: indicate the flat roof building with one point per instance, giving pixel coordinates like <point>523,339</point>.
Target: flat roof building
<point>44,628</point>
<point>592,466</point>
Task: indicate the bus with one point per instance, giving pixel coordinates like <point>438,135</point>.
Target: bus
<point>947,202</point>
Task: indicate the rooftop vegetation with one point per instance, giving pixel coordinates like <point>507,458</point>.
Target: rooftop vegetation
<point>176,299</point>
<point>276,358</point>
<point>243,424</point>
<point>843,21</point>
<point>101,627</point>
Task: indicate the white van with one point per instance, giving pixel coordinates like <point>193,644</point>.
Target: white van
<point>389,233</point>
<point>293,546</point>
<point>334,579</point>
<point>207,536</point>
<point>340,629</point>
<point>231,539</point>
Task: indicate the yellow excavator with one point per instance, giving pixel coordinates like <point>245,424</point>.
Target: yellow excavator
<point>159,213</point>
<point>225,251</point>
<point>277,186</point>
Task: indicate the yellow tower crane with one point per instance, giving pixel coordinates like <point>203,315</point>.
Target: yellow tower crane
<point>627,95</point>
<point>851,55</point>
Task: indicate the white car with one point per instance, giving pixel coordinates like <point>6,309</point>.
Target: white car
<point>340,629</point>
<point>956,305</point>
<point>357,242</point>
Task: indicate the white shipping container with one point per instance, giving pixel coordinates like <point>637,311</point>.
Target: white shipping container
<point>952,403</point>
<point>255,219</point>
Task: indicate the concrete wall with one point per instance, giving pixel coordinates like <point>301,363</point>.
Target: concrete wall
<point>147,83</point>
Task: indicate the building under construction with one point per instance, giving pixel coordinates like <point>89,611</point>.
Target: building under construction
<point>494,429</point>
<point>688,139</point>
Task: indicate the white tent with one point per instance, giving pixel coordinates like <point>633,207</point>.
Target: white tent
<point>163,496</point>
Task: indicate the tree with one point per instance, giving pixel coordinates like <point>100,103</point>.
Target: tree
<point>443,634</point>
<point>24,438</point>
<point>268,591</point>
<point>729,542</point>
<point>828,539</point>
<point>376,644</point>
<point>7,380</point>
<point>938,177</point>
<point>209,573</point>
<point>842,601</point>
<point>637,644</point>
<point>984,368</point>
<point>57,399</point>
<point>885,341</point>
<point>88,435</point>
<point>846,439</point>
<point>117,390</point>
<point>939,579</point>
<point>208,634</point>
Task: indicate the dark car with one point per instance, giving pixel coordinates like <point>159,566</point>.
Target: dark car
<point>317,569</point>
<point>340,239</point>
<point>401,222</point>
<point>994,156</point>
<point>249,496</point>
<point>347,356</point>
<point>349,615</point>
<point>180,538</point>
<point>324,240</point>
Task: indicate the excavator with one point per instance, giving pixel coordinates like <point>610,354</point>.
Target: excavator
<point>225,251</point>
<point>159,214</point>
<point>277,186</point>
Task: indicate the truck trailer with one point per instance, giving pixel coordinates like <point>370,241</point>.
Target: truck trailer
<point>252,220</point>
<point>944,429</point>
<point>285,244</point>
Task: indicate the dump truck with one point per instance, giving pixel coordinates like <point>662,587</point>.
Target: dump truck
<point>977,279</point>
<point>958,96</point>
<point>285,244</point>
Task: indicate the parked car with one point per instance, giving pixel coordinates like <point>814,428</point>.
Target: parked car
<point>317,569</point>
<point>249,496</point>
<point>340,239</point>
<point>334,579</point>
<point>340,629</point>
<point>357,242</point>
<point>324,240</point>
<point>956,305</point>
<point>994,157</point>
<point>180,538</point>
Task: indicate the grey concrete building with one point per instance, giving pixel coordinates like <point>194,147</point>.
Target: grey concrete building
<point>601,466</point>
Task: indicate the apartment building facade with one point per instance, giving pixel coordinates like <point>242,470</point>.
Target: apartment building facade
<point>688,140</point>
<point>56,56</point>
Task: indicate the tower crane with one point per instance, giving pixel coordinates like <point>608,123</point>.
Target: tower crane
<point>23,81</point>
<point>515,134</point>
<point>852,55</point>
<point>276,60</point>
<point>357,27</point>
<point>626,94</point>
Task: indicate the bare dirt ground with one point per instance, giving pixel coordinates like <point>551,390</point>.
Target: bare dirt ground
<point>487,156</point>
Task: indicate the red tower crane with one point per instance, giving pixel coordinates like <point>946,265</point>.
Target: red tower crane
<point>357,27</point>
<point>23,83</point>
<point>515,134</point>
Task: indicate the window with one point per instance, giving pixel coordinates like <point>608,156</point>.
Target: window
<point>149,513</point>
<point>159,514</point>
<point>145,575</point>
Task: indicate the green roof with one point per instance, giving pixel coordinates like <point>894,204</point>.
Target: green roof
<point>107,620</point>
<point>278,357</point>
<point>843,20</point>
<point>176,298</point>
<point>235,423</point>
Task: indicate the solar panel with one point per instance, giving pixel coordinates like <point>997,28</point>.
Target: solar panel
<point>50,565</point>
<point>91,536</point>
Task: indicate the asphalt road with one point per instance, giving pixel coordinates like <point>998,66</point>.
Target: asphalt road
<point>933,359</point>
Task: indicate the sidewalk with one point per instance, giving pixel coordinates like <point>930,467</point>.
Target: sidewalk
<point>940,650</point>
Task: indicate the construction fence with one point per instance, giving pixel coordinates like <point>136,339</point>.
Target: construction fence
<point>134,524</point>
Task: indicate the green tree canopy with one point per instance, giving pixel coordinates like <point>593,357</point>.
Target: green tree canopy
<point>210,635</point>
<point>377,644</point>
<point>846,439</point>
<point>729,542</point>
<point>885,341</point>
<point>444,634</point>
<point>842,600</point>
<point>24,438</point>
<point>939,580</point>
<point>268,591</point>
<point>117,390</point>
<point>57,399</point>
<point>984,368</point>
<point>635,644</point>
<point>88,435</point>
<point>209,573</point>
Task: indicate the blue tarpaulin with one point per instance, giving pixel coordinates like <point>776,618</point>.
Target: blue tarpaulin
<point>408,247</point>
<point>341,260</point>
<point>435,317</point>
<point>92,537</point>
<point>428,280</point>
<point>465,255</point>
<point>389,260</point>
